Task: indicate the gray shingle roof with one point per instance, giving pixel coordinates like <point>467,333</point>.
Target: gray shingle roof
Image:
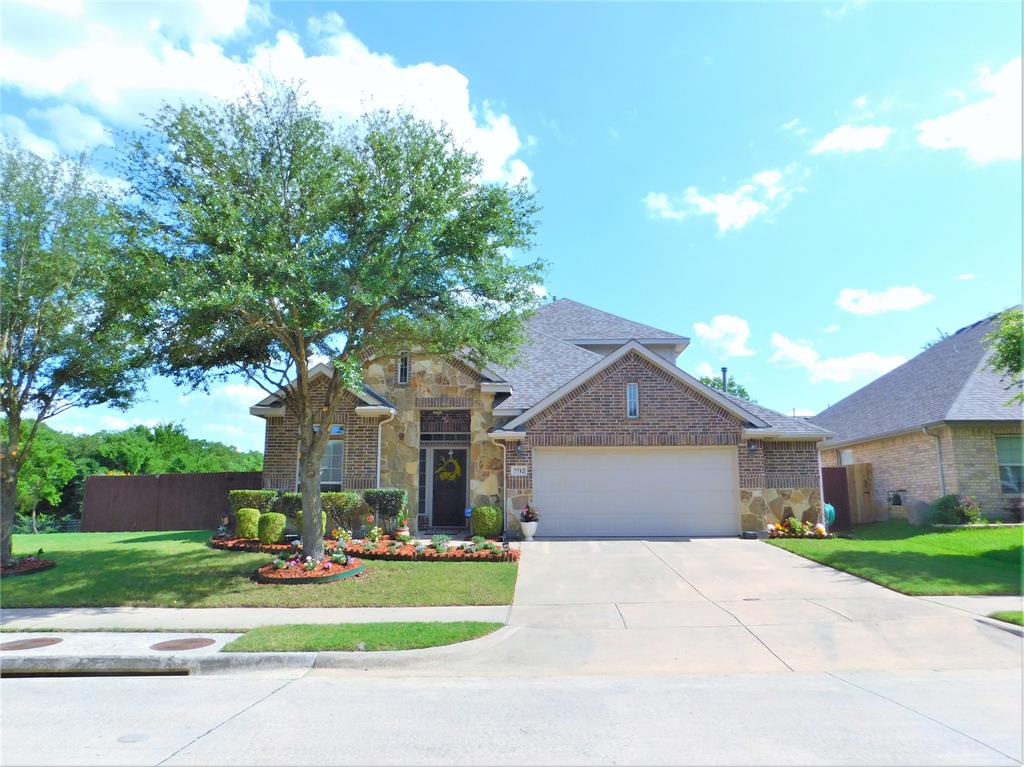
<point>565,319</point>
<point>946,382</point>
<point>778,421</point>
<point>544,364</point>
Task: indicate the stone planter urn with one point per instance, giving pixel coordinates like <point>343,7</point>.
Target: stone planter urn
<point>529,530</point>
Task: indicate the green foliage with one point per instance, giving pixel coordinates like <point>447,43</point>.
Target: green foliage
<point>45,473</point>
<point>735,389</point>
<point>1007,345</point>
<point>386,502</point>
<point>440,542</point>
<point>487,521</point>
<point>271,527</point>
<point>956,510</point>
<point>323,521</point>
<point>247,523</point>
<point>290,503</point>
<point>342,509</point>
<point>262,500</point>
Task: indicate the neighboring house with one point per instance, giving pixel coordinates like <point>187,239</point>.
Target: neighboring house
<point>594,425</point>
<point>940,423</point>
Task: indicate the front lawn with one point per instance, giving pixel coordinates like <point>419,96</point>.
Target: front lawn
<point>178,569</point>
<point>921,560</point>
<point>311,637</point>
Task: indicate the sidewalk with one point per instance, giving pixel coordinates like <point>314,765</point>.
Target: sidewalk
<point>197,618</point>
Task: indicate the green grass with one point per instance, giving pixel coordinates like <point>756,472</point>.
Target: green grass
<point>178,569</point>
<point>311,637</point>
<point>923,561</point>
<point>1010,616</point>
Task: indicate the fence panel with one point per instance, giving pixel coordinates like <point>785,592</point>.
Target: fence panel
<point>161,501</point>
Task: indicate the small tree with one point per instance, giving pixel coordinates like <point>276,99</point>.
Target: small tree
<point>45,473</point>
<point>71,326</point>
<point>289,241</point>
<point>735,389</point>
<point>1007,345</point>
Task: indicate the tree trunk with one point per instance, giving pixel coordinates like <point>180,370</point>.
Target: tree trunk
<point>9,464</point>
<point>35,529</point>
<point>312,526</point>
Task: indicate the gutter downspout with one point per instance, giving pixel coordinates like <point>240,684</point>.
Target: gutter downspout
<point>504,487</point>
<point>380,425</point>
<point>938,447</point>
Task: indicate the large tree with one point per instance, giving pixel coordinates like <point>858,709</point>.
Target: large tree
<point>1007,351</point>
<point>736,389</point>
<point>291,241</point>
<point>72,310</point>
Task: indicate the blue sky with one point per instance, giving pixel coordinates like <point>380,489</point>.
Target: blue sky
<point>808,191</point>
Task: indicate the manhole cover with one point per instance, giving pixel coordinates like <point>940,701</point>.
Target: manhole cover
<point>30,644</point>
<point>193,643</point>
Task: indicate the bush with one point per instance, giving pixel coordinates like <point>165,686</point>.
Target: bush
<point>261,500</point>
<point>487,521</point>
<point>247,523</point>
<point>271,527</point>
<point>298,521</point>
<point>386,502</point>
<point>956,510</point>
<point>440,543</point>
<point>342,508</point>
<point>290,503</point>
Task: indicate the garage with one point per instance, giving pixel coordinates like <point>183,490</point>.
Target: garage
<point>636,492</point>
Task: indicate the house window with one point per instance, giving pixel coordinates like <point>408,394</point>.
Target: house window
<point>845,457</point>
<point>1010,452</point>
<point>632,400</point>
<point>403,368</point>
<point>332,465</point>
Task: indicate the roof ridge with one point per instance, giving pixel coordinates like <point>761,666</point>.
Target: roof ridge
<point>612,315</point>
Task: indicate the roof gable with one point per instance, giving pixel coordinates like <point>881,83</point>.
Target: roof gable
<point>571,320</point>
<point>322,369</point>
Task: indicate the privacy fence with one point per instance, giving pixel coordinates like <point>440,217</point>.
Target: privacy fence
<point>161,501</point>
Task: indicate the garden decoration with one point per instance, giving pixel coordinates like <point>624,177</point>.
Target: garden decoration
<point>26,565</point>
<point>299,570</point>
<point>528,518</point>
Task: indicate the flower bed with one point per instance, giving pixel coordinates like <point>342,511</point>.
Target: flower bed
<point>253,544</point>
<point>791,527</point>
<point>408,552</point>
<point>297,571</point>
<point>27,565</point>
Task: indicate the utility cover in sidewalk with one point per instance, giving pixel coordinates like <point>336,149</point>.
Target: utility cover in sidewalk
<point>193,643</point>
<point>30,644</point>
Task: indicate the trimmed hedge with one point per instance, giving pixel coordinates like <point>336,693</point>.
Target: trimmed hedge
<point>261,500</point>
<point>298,521</point>
<point>247,523</point>
<point>290,503</point>
<point>487,521</point>
<point>386,502</point>
<point>342,509</point>
<point>271,527</point>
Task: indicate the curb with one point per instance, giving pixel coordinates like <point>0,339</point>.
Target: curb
<point>109,665</point>
<point>1009,628</point>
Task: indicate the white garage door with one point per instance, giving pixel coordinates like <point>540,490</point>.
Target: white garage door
<point>626,492</point>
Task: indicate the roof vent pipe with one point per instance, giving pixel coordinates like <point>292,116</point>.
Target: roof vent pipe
<point>725,380</point>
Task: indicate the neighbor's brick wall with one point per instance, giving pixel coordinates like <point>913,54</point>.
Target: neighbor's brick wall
<point>791,464</point>
<point>280,451</point>
<point>977,468</point>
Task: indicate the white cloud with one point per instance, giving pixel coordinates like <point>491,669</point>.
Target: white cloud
<point>860,301</point>
<point>767,192</point>
<point>833,328</point>
<point>15,129</point>
<point>120,59</point>
<point>726,333</point>
<point>74,428</point>
<point>801,354</point>
<point>240,394</point>
<point>840,12</point>
<point>794,126</point>
<point>851,138</point>
<point>964,277</point>
<point>861,101</point>
<point>540,291</point>
<point>74,130</point>
<point>704,369</point>
<point>987,130</point>
<point>113,422</point>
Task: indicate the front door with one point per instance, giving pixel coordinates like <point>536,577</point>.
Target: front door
<point>449,487</point>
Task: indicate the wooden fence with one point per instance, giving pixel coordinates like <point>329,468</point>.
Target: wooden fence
<point>161,501</point>
<point>850,490</point>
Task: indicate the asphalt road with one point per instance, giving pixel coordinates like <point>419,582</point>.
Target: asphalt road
<point>863,718</point>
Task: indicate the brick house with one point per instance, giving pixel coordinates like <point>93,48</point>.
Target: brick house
<point>595,425</point>
<point>940,423</point>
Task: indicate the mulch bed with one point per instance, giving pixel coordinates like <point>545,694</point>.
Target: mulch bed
<point>408,553</point>
<point>325,572</point>
<point>253,544</point>
<point>26,566</point>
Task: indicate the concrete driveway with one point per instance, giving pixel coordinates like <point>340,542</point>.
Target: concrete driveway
<point>734,605</point>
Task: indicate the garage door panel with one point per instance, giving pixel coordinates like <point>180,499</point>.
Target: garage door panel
<point>636,492</point>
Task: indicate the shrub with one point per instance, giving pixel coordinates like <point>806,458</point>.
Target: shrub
<point>298,521</point>
<point>956,510</point>
<point>290,503</point>
<point>487,521</point>
<point>342,509</point>
<point>386,502</point>
<point>247,523</point>
<point>261,500</point>
<point>271,527</point>
<point>440,543</point>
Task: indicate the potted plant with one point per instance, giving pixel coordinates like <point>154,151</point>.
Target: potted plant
<point>528,521</point>
<point>402,522</point>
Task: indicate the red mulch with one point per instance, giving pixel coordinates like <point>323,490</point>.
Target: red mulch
<point>407,553</point>
<point>26,565</point>
<point>325,568</point>
<point>253,544</point>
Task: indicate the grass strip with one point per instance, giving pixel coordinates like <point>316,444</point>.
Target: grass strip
<point>359,637</point>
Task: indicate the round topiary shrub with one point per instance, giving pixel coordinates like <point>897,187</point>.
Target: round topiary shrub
<point>323,520</point>
<point>247,523</point>
<point>271,527</point>
<point>487,521</point>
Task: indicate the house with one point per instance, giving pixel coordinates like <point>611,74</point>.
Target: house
<point>940,423</point>
<point>595,425</point>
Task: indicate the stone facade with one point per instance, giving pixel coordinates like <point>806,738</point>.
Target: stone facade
<point>910,462</point>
